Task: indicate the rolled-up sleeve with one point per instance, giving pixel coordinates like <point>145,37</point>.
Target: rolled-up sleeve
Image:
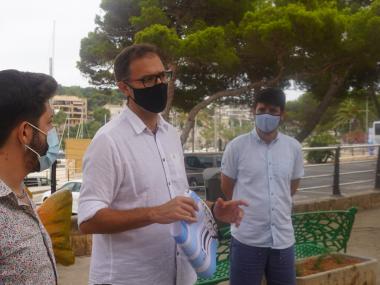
<point>101,176</point>
<point>229,162</point>
<point>298,169</point>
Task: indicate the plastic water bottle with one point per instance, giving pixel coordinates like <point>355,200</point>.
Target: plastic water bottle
<point>198,240</point>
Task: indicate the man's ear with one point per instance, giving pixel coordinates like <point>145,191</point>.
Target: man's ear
<point>24,133</point>
<point>283,115</point>
<point>127,91</point>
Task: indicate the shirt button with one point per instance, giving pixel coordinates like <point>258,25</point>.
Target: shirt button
<point>270,178</point>
<point>163,159</point>
<point>271,193</point>
<point>177,253</point>
<point>169,184</point>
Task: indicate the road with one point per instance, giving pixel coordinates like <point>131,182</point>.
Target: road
<point>355,175</point>
<point>318,180</point>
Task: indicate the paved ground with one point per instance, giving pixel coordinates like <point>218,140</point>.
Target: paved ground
<point>365,237</point>
<point>364,241</point>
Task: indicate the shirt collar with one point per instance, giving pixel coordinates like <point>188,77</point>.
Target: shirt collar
<point>4,189</point>
<point>259,140</point>
<point>139,126</point>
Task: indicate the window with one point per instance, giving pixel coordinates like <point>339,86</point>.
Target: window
<point>45,182</point>
<point>207,161</point>
<point>193,161</point>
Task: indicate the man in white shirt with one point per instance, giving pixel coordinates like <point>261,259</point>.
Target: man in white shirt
<point>133,184</point>
<point>264,168</point>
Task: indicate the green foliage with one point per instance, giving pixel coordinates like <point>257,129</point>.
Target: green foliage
<point>163,37</point>
<point>209,47</point>
<point>234,129</point>
<point>100,114</point>
<point>297,113</point>
<point>320,140</point>
<point>225,44</point>
<point>99,52</point>
<point>59,118</point>
<point>92,127</point>
<point>350,112</point>
<point>190,34</point>
<point>150,15</point>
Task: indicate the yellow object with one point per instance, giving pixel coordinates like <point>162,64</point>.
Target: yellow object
<point>75,150</point>
<point>30,194</point>
<point>55,214</point>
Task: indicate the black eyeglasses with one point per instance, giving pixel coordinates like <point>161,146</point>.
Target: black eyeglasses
<point>151,80</point>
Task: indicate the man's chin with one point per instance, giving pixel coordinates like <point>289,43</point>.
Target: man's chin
<point>36,168</point>
<point>32,166</point>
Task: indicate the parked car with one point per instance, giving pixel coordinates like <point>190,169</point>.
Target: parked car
<point>74,187</point>
<point>196,163</point>
<point>36,181</point>
<point>37,185</point>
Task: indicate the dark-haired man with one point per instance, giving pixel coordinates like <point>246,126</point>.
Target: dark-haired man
<point>134,182</point>
<point>28,143</point>
<point>264,168</point>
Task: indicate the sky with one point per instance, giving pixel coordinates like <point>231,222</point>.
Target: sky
<point>26,29</point>
<point>26,33</point>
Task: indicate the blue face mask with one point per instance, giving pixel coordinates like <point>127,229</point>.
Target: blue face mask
<point>47,160</point>
<point>267,123</point>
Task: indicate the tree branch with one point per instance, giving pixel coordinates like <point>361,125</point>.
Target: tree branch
<point>336,83</point>
<point>227,93</point>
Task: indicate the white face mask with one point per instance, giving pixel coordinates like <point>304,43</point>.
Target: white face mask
<point>267,123</point>
<point>47,160</point>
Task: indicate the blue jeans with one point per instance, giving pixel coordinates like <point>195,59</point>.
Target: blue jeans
<point>248,264</point>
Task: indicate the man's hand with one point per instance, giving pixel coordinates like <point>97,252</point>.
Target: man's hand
<point>177,209</point>
<point>229,211</point>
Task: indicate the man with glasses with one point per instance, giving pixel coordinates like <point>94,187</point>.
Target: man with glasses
<point>264,168</point>
<point>134,182</point>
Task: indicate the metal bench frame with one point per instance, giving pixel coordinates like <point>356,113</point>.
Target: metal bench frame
<point>315,233</point>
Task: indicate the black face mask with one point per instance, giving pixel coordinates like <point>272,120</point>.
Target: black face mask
<point>152,99</point>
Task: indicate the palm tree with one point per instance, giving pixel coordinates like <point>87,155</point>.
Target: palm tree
<point>350,112</point>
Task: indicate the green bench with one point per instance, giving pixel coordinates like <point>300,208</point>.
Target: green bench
<point>315,233</point>
<point>321,232</point>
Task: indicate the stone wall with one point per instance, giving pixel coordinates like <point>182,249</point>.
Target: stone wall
<point>362,201</point>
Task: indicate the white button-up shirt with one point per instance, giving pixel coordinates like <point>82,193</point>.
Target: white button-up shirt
<point>127,167</point>
<point>263,173</point>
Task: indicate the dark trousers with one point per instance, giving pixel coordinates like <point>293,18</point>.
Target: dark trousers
<point>248,264</point>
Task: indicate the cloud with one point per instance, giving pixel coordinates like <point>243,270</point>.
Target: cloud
<point>26,35</point>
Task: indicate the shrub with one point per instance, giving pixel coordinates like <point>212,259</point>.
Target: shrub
<point>321,140</point>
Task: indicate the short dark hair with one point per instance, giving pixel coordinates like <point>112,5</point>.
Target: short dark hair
<point>129,54</point>
<point>22,98</point>
<point>270,96</point>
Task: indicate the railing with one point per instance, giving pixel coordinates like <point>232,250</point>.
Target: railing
<point>342,153</point>
<point>344,158</point>
<point>336,163</point>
